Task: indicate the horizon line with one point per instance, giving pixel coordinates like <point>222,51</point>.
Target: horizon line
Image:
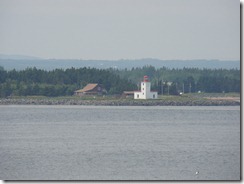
<point>30,57</point>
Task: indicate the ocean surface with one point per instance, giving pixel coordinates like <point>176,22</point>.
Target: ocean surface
<point>119,143</point>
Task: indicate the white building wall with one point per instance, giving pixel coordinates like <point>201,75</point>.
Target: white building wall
<point>138,95</point>
<point>153,95</point>
<point>145,92</point>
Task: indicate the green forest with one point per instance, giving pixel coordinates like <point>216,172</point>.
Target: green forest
<point>63,82</point>
<point>187,80</point>
<point>58,82</point>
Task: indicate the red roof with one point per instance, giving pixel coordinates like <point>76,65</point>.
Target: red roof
<point>88,87</point>
<point>145,78</point>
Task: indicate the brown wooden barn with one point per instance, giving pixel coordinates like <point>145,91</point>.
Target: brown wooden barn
<point>91,89</point>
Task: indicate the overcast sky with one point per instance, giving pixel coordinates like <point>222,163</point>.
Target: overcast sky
<point>121,29</point>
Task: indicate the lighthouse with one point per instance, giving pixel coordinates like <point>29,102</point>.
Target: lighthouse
<point>145,92</point>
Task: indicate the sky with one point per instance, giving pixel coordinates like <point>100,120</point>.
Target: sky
<point>121,29</point>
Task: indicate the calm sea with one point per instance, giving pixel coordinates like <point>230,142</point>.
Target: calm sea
<point>119,143</point>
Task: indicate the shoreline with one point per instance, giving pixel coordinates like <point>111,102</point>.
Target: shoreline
<point>121,102</point>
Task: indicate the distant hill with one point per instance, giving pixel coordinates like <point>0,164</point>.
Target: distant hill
<point>23,62</point>
<point>18,57</point>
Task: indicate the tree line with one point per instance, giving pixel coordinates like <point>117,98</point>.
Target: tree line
<point>58,82</point>
<point>187,80</point>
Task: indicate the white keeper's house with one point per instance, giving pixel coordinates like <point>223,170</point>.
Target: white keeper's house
<point>145,92</point>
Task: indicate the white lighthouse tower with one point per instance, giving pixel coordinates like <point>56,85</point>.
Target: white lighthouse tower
<point>145,92</point>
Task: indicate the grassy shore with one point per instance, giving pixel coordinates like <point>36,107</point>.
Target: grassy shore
<point>194,99</point>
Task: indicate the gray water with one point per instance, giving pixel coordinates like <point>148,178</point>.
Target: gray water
<point>119,143</point>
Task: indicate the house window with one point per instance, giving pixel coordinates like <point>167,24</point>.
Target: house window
<point>153,96</point>
<point>143,93</point>
<point>137,96</point>
<point>142,88</point>
<point>143,83</point>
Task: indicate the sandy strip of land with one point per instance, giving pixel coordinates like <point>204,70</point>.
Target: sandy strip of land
<point>236,99</point>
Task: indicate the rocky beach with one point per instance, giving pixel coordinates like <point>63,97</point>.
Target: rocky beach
<point>121,102</point>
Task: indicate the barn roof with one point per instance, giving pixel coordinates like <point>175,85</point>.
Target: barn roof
<point>128,92</point>
<point>88,87</point>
